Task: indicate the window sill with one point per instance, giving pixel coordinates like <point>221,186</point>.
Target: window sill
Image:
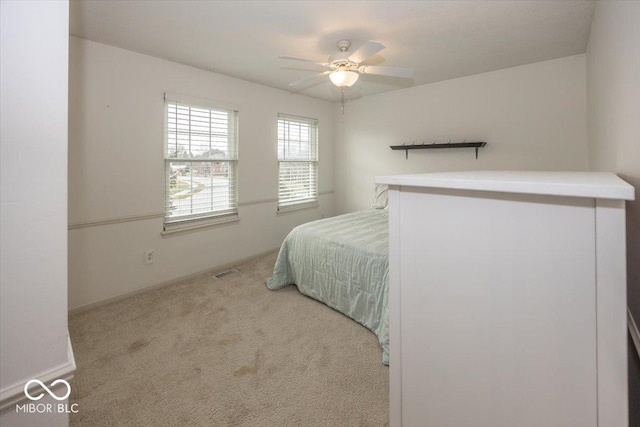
<point>197,226</point>
<point>295,208</point>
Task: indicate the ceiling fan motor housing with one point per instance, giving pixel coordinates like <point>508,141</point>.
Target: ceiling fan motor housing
<point>340,60</point>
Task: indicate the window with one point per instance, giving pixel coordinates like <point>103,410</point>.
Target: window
<point>200,156</point>
<point>297,162</point>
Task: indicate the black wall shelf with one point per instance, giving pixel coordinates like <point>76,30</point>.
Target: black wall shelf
<point>465,144</point>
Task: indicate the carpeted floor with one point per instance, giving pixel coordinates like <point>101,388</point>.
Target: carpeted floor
<point>225,352</point>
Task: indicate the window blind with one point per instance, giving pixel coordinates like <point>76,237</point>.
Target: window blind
<point>201,156</point>
<point>297,162</point>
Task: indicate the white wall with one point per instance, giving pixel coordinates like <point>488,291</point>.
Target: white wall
<point>33,187</point>
<point>116,171</point>
<point>613,100</point>
<point>533,117</point>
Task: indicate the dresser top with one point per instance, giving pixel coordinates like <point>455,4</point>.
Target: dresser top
<point>597,185</point>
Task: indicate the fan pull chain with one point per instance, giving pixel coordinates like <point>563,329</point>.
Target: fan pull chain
<point>342,102</point>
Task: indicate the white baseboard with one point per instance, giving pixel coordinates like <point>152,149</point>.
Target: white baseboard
<point>633,330</point>
<point>14,394</point>
<point>146,289</point>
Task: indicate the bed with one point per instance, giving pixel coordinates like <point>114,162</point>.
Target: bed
<point>343,262</point>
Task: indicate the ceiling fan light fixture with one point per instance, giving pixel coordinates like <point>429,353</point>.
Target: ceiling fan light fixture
<point>344,67</point>
<point>342,78</point>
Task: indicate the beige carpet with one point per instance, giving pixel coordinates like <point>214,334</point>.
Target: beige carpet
<point>225,352</point>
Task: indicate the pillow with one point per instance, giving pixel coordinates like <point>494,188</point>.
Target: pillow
<point>381,198</point>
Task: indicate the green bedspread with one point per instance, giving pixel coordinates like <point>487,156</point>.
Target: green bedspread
<point>343,262</point>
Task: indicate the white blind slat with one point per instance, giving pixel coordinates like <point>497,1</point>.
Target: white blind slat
<point>298,157</point>
<point>201,148</point>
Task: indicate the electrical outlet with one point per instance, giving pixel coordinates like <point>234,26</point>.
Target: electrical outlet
<point>149,256</point>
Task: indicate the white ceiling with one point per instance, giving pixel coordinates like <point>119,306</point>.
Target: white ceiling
<point>440,40</point>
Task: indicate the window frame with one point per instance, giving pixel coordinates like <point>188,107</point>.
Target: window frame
<point>213,217</point>
<point>310,202</point>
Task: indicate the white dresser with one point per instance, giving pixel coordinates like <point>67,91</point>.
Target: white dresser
<point>507,295</point>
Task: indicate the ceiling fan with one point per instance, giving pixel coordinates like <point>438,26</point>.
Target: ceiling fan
<point>345,67</point>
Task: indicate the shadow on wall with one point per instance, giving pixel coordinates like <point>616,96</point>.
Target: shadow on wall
<point>633,248</point>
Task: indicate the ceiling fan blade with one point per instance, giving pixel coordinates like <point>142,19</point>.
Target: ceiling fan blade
<point>295,58</point>
<point>365,51</point>
<point>403,73</point>
<point>309,79</point>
